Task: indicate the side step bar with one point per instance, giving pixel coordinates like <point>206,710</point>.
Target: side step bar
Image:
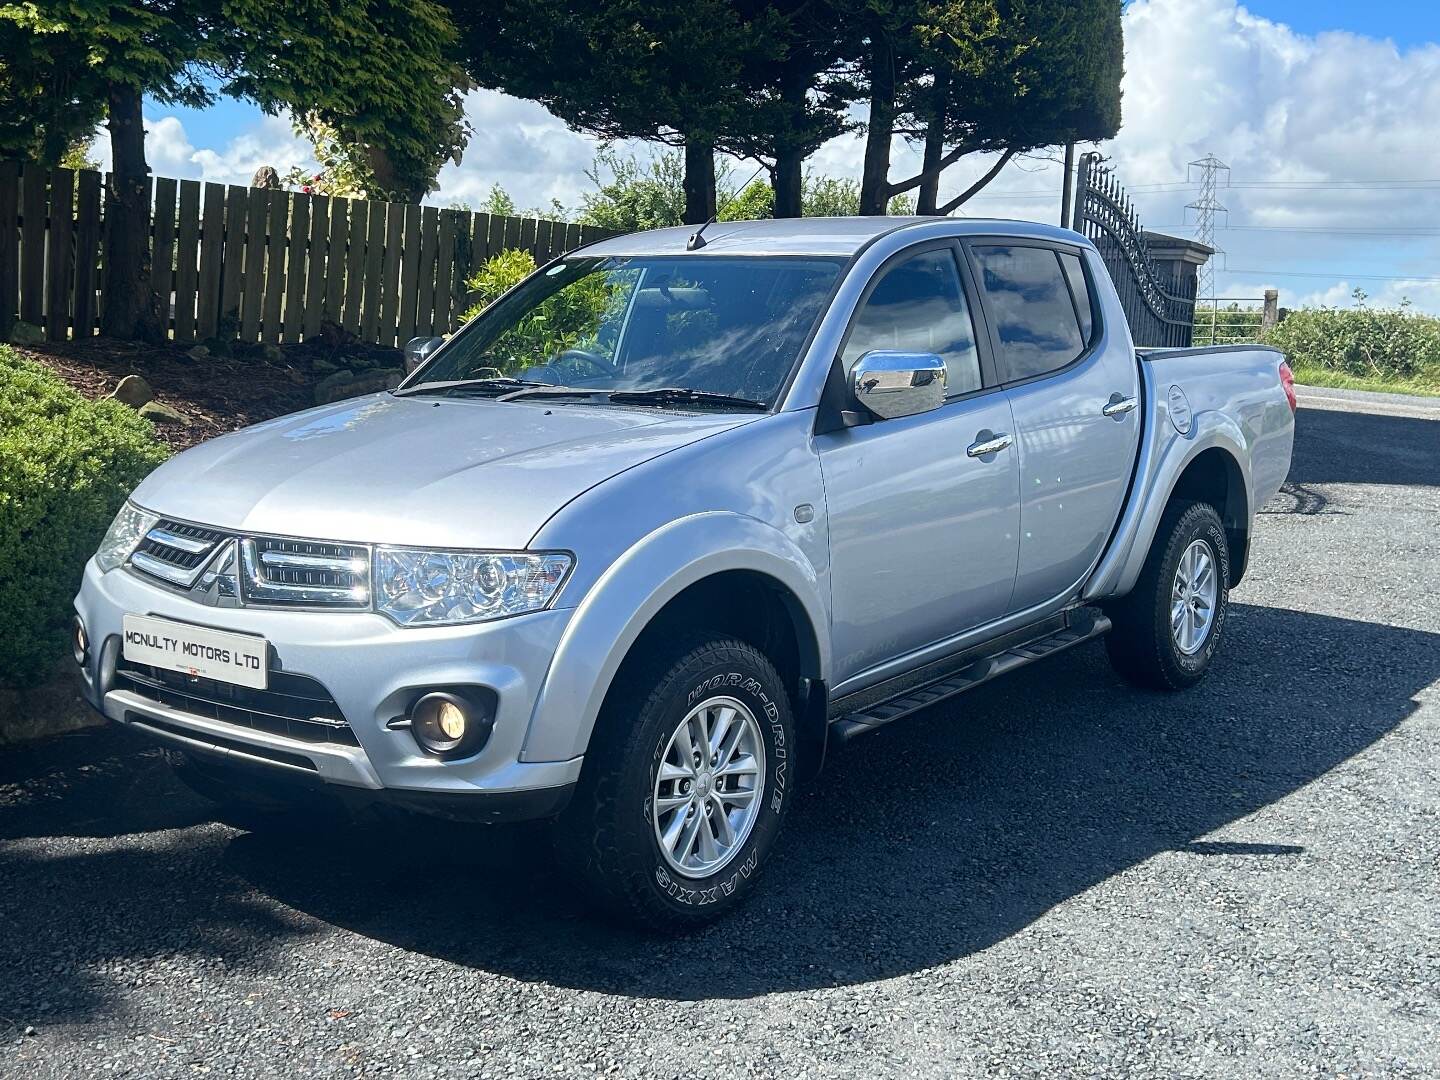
<point>1085,624</point>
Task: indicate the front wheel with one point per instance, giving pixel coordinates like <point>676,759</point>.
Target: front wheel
<point>1168,628</point>
<point>685,785</point>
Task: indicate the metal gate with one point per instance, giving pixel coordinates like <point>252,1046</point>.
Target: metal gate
<point>1159,309</point>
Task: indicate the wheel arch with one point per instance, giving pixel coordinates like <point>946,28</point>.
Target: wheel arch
<point>1214,476</point>
<point>1207,466</point>
<point>738,575</point>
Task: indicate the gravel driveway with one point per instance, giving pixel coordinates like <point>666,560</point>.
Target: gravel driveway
<point>1056,874</point>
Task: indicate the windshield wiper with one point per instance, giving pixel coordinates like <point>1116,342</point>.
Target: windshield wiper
<point>501,385</point>
<point>661,395</point>
<point>683,395</point>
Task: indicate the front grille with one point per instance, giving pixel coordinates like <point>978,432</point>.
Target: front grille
<point>307,572</point>
<point>264,571</point>
<point>174,551</point>
<point>295,706</point>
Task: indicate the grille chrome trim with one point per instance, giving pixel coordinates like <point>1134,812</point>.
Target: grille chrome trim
<point>162,535</point>
<point>292,582</point>
<point>161,569</point>
<point>270,571</point>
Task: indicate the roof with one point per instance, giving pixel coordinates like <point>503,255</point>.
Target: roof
<point>804,236</point>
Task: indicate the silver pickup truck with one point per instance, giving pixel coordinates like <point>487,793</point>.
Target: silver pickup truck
<point>674,514</point>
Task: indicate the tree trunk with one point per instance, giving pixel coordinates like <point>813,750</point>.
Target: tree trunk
<point>699,181</point>
<point>875,178</point>
<point>928,197</point>
<point>131,309</point>
<point>788,183</point>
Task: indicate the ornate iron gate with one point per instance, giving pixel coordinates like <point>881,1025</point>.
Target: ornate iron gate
<point>1159,309</point>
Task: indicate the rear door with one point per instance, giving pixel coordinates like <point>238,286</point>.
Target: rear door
<point>922,527</point>
<point>1073,390</point>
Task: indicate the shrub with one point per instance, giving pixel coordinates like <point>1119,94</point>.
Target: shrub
<point>66,465</point>
<point>1378,343</point>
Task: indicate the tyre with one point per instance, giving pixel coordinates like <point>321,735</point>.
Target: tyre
<point>1167,629</point>
<point>685,786</point>
<point>243,799</point>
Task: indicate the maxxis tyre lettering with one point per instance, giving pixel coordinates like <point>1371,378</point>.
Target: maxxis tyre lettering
<point>1141,645</point>
<point>606,836</point>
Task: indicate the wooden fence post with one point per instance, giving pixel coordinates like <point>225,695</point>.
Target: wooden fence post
<point>32,245</point>
<point>87,251</point>
<point>58,279</point>
<point>9,246</point>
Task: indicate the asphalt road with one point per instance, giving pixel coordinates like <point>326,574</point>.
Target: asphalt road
<point>1056,874</point>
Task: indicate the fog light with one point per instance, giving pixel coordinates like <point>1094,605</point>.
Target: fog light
<point>450,724</point>
<point>79,641</point>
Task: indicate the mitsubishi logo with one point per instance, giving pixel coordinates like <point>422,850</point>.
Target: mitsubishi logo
<point>219,583</point>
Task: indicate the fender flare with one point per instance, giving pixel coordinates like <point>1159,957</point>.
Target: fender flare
<point>621,603</point>
<point>1157,476</point>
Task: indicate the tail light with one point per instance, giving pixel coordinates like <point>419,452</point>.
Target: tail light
<point>1287,380</point>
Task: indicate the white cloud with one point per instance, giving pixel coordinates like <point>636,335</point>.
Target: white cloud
<point>170,150</point>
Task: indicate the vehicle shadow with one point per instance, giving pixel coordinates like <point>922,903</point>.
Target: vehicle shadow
<point>919,844</point>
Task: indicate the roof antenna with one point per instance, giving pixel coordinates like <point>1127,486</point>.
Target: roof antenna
<point>696,241</point>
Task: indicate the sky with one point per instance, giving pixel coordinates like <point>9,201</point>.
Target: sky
<point>1326,111</point>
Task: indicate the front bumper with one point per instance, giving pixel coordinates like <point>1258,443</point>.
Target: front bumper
<point>370,667</point>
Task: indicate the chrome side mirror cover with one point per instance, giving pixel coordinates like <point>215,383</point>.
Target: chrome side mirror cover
<point>895,384</point>
<point>418,350</point>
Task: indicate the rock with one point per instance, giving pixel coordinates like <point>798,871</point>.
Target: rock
<point>157,413</point>
<point>266,177</point>
<point>198,352</point>
<point>321,366</point>
<point>133,391</point>
<point>334,387</point>
<point>24,333</point>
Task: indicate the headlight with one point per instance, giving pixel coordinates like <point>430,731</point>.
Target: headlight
<point>426,588</point>
<point>125,532</point>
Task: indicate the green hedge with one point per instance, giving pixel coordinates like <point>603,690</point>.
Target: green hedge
<point>1374,343</point>
<point>66,465</point>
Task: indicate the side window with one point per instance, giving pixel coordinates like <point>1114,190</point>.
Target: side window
<point>1034,317</point>
<point>919,306</point>
<point>1075,274</point>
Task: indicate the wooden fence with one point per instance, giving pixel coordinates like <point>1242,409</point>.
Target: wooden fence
<point>253,263</point>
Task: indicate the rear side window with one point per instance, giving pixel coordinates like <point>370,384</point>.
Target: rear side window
<point>918,305</point>
<point>1075,274</point>
<point>1035,319</point>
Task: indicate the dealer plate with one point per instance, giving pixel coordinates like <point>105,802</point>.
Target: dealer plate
<point>196,650</point>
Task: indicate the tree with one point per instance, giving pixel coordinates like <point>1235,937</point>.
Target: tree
<point>374,71</point>
<point>794,100</point>
<point>990,76</point>
<point>623,69</point>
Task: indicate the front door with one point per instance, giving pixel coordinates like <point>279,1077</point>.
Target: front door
<point>1074,395</point>
<point>923,534</point>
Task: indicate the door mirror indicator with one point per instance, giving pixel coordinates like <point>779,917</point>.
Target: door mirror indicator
<point>895,384</point>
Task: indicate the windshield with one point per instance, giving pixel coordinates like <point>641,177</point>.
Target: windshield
<point>713,324</point>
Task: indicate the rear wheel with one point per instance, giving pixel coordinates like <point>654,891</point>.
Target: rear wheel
<point>685,786</point>
<point>1168,628</point>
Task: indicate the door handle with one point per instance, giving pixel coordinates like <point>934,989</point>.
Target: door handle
<point>992,445</point>
<point>1118,406</point>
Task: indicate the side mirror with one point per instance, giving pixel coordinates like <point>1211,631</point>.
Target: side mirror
<point>418,350</point>
<point>895,384</point>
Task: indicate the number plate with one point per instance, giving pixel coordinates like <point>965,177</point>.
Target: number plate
<point>195,650</point>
